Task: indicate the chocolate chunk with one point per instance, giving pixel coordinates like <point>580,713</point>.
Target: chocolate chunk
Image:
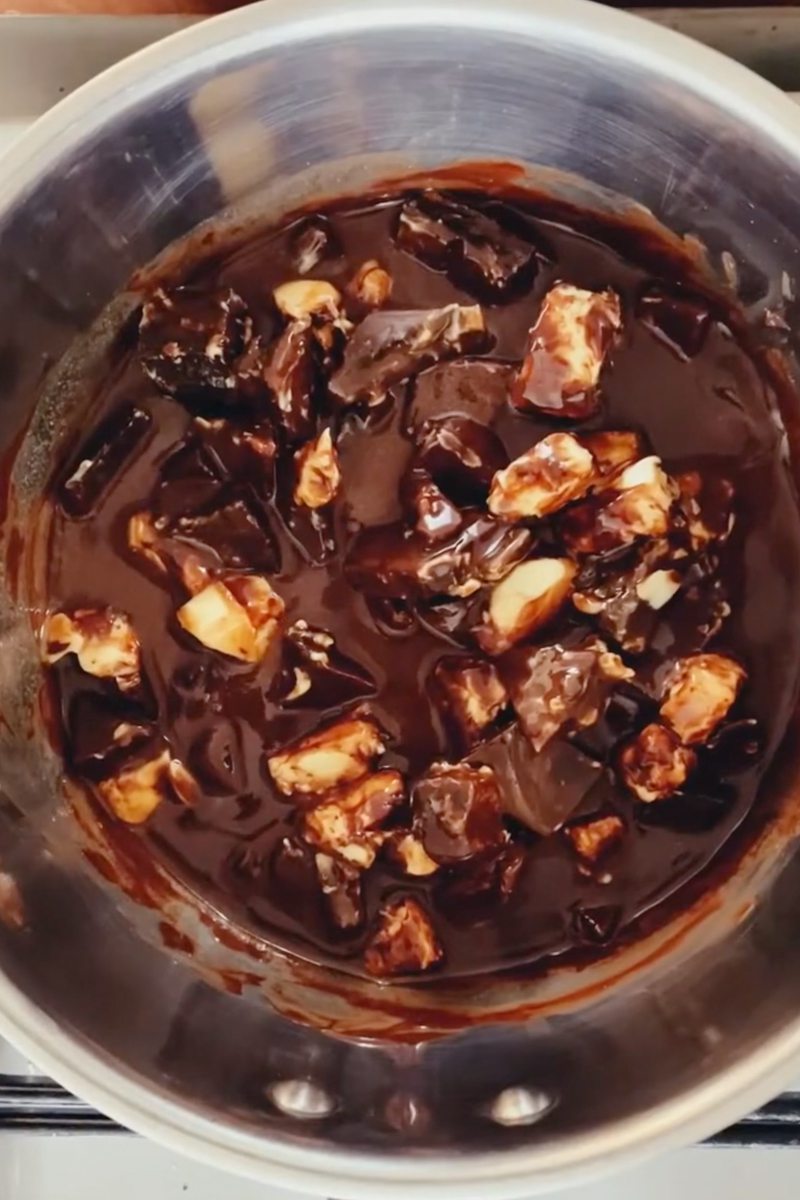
<point>540,789</point>
<point>341,888</point>
<point>215,758</point>
<point>291,375</point>
<point>681,322</point>
<point>596,924</point>
<point>554,686</point>
<point>461,456</point>
<point>388,346</point>
<point>453,619</point>
<point>392,617</point>
<point>626,710</point>
<point>101,459</point>
<point>472,890</point>
<point>471,697</point>
<point>101,733</point>
<point>242,451</point>
<point>313,674</point>
<point>433,516</point>
<point>626,603</point>
<point>390,560</point>
<point>457,811</point>
<point>189,340</point>
<point>475,251</point>
<point>470,388</point>
<point>313,240</point>
<point>237,537</point>
<point>188,479</point>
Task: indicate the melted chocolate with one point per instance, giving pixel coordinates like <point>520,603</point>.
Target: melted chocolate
<point>679,377</point>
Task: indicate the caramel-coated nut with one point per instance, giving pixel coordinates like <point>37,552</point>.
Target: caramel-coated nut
<point>655,764</point>
<point>699,693</point>
<point>340,753</point>
<point>524,601</point>
<point>301,298</point>
<point>404,942</point>
<point>371,284</point>
<point>103,641</point>
<point>345,824</point>
<point>238,615</point>
<point>317,472</point>
<point>555,471</point>
<point>594,839</point>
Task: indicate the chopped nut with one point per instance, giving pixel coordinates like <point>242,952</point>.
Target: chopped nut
<point>594,839</point>
<point>301,298</point>
<point>238,616</point>
<point>553,472</point>
<point>457,811</point>
<point>341,887</point>
<point>473,697</point>
<point>658,588</point>
<point>699,693</point>
<point>388,346</point>
<point>553,686</point>
<point>103,641</point>
<point>529,596</point>
<point>655,764</point>
<point>566,350</point>
<point>612,449</point>
<point>706,503</point>
<point>408,852</point>
<point>346,823</point>
<point>317,472</point>
<point>404,941</point>
<point>636,504</point>
<point>340,753</point>
<point>371,284</point>
<point>136,792</point>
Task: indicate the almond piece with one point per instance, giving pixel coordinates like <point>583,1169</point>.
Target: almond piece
<point>102,640</point>
<point>612,449</point>
<point>408,852</point>
<point>317,472</point>
<point>592,840</point>
<point>566,350</point>
<point>654,764</point>
<point>699,693</point>
<point>300,298</point>
<point>345,824</point>
<point>136,792</point>
<point>340,753</point>
<point>524,601</point>
<point>472,697</point>
<point>238,616</point>
<point>404,942</point>
<point>553,472</point>
<point>371,284</point>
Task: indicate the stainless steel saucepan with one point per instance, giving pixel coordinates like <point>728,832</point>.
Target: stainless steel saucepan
<point>228,1052</point>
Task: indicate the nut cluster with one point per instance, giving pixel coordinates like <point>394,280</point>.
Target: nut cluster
<point>553,569</point>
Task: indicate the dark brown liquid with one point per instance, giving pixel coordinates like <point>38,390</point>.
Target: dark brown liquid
<point>709,412</point>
